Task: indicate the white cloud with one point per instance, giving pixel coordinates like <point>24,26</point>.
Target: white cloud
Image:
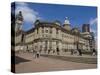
<point>95,33</point>
<point>93,30</point>
<point>30,15</point>
<point>93,21</point>
<point>21,4</point>
<point>93,27</point>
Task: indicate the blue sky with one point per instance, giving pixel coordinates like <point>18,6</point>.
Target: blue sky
<point>77,15</point>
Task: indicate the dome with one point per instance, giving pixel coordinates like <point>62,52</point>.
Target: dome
<point>37,22</point>
<point>57,22</point>
<point>66,24</point>
<point>75,30</point>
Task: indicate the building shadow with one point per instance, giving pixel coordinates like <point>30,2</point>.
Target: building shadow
<point>17,60</point>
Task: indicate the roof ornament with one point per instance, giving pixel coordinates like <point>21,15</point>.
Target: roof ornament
<point>66,21</point>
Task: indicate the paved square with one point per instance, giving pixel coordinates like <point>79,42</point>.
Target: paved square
<point>27,63</point>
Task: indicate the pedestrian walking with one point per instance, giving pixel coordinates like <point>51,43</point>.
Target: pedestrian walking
<point>48,51</point>
<point>72,51</point>
<point>93,52</point>
<point>80,52</point>
<point>57,51</point>
<point>37,54</point>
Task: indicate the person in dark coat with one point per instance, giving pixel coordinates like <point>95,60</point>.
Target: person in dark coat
<point>37,54</point>
<point>48,51</point>
<point>80,52</point>
<point>57,51</point>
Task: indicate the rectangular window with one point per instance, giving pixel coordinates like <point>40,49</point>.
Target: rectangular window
<point>42,30</point>
<point>46,31</point>
<point>50,30</point>
<point>37,31</point>
<point>57,31</point>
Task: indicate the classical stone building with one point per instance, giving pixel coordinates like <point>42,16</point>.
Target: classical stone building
<point>50,36</point>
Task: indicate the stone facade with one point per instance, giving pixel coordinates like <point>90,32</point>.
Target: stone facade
<point>50,36</point>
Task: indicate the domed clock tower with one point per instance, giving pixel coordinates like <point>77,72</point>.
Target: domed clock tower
<point>19,33</point>
<point>66,24</point>
<point>18,22</point>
